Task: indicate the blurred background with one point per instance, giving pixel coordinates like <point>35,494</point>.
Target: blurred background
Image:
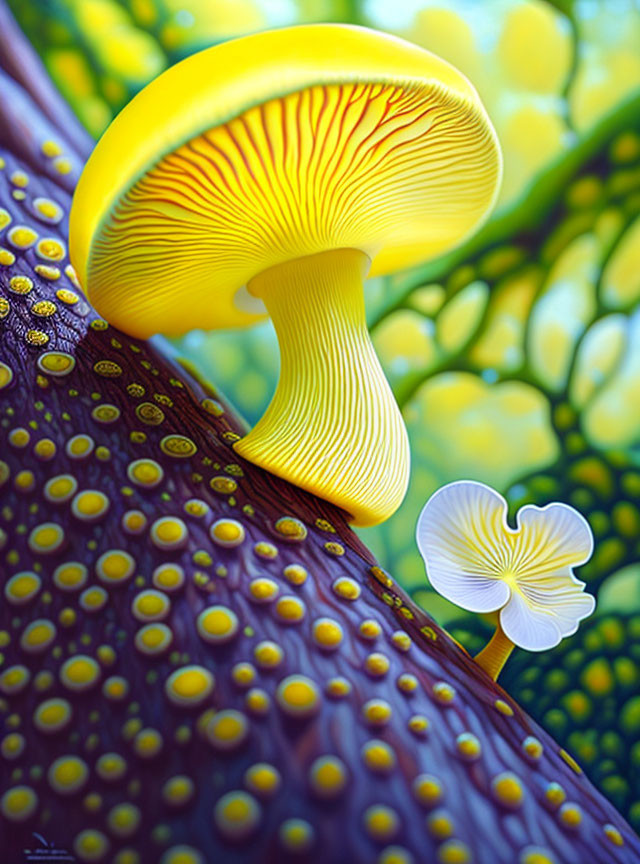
<point>516,358</point>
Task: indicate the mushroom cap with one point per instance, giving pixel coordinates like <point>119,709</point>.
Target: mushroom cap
<point>271,147</point>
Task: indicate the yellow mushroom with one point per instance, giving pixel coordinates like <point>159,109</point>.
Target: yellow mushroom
<point>269,175</point>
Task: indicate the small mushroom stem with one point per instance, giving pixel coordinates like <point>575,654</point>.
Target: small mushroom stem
<point>333,426</point>
<point>495,653</point>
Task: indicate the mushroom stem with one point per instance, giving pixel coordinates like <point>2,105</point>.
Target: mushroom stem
<point>333,426</point>
<point>495,653</point>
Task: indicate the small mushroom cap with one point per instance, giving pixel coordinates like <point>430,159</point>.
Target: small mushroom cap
<point>272,147</point>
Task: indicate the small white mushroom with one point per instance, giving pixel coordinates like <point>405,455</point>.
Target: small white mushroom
<point>477,561</point>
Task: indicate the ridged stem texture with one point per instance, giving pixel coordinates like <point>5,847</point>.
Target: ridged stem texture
<point>333,426</point>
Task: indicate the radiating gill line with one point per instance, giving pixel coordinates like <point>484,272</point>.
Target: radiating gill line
<point>253,204</point>
<point>318,148</point>
<point>181,199</point>
<point>341,95</point>
<point>186,154</point>
<point>339,203</point>
<point>196,239</point>
<point>305,204</point>
<point>351,167</point>
<point>458,540</point>
<point>256,188</point>
<point>272,172</point>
